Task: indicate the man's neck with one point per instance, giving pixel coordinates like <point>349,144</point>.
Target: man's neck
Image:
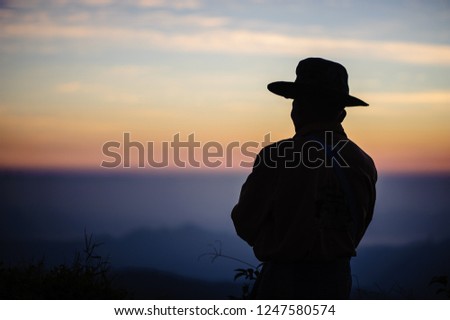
<point>318,127</point>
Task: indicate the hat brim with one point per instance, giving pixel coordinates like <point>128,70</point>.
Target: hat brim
<point>290,90</point>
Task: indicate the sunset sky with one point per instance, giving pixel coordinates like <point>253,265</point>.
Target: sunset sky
<point>77,74</point>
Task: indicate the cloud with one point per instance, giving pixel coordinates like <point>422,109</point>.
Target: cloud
<point>237,42</point>
<point>263,43</point>
<point>104,93</point>
<point>167,19</point>
<point>20,4</point>
<point>96,2</point>
<point>68,87</point>
<point>176,4</point>
<point>410,98</point>
<point>167,4</point>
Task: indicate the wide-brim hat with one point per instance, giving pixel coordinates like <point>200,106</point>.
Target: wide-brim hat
<point>318,77</point>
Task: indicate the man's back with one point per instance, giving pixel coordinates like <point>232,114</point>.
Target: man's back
<point>294,206</point>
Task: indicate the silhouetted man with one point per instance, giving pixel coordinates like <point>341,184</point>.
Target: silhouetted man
<point>309,199</point>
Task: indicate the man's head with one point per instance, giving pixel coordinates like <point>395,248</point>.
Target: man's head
<point>320,91</point>
<point>304,113</point>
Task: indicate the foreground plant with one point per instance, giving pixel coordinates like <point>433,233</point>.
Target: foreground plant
<point>88,277</point>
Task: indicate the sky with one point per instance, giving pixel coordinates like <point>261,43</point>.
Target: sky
<point>76,75</point>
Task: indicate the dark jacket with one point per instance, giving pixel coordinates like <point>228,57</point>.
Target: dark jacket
<point>305,202</point>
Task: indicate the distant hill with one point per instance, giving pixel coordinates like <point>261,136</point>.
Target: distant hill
<point>401,272</point>
<point>143,284</point>
<point>184,251</point>
<point>170,262</point>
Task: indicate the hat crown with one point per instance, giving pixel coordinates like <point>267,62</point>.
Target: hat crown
<point>324,74</point>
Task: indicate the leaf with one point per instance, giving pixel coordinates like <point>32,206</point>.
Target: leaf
<point>240,273</point>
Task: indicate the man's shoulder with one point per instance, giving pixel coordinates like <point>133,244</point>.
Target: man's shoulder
<point>270,154</point>
<point>359,152</point>
<point>277,144</point>
<point>358,158</point>
<point>275,147</point>
<point>302,150</point>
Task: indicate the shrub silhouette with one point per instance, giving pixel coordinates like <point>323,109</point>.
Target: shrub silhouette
<point>249,274</point>
<point>87,277</point>
<point>444,285</point>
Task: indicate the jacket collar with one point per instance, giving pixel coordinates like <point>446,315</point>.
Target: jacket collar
<point>320,127</point>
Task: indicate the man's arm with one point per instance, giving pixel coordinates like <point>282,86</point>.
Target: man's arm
<point>255,200</point>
